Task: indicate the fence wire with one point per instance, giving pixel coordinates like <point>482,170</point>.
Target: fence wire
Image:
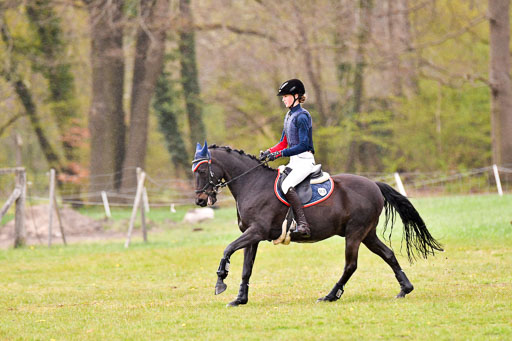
<point>164,192</point>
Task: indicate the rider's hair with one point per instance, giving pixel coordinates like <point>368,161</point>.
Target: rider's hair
<point>302,99</point>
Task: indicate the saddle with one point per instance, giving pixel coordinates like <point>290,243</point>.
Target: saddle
<point>304,189</point>
<point>315,188</point>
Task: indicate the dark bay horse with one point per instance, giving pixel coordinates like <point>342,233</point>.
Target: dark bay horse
<point>352,211</point>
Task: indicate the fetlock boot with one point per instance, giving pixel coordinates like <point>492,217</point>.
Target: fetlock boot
<point>302,228</point>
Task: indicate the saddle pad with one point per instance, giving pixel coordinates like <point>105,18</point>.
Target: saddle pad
<point>321,191</point>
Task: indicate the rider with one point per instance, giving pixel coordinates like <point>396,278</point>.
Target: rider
<point>297,143</point>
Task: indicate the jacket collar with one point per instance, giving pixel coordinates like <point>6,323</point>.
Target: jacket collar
<point>295,109</point>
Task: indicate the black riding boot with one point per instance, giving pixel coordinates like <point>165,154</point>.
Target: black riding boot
<point>302,228</point>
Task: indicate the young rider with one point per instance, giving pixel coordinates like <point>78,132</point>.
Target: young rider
<point>297,143</point>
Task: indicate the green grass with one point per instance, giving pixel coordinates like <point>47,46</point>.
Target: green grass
<point>164,289</point>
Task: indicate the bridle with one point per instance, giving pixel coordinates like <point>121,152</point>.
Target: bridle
<point>216,187</point>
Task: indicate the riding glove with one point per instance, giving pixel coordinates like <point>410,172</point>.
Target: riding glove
<point>274,155</point>
<point>264,155</point>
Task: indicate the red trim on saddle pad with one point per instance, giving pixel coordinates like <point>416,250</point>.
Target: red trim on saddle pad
<point>283,200</point>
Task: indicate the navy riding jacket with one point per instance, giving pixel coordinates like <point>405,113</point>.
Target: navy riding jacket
<point>297,133</point>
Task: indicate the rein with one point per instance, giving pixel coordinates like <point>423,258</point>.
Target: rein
<point>221,183</point>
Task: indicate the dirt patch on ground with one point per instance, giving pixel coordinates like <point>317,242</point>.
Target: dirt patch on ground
<point>77,227</point>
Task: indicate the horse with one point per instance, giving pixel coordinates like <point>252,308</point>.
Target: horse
<point>352,212</point>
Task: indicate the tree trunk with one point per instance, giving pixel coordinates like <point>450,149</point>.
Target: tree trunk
<point>167,122</point>
<point>189,75</point>
<point>57,71</point>
<point>30,109</point>
<point>25,96</point>
<point>106,116</point>
<point>344,65</point>
<point>149,52</point>
<point>404,80</point>
<point>364,24</point>
<point>499,76</point>
<point>313,73</point>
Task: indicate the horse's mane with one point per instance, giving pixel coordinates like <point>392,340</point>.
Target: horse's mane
<point>241,152</point>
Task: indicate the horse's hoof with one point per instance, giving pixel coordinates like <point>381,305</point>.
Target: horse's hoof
<point>220,288</point>
<point>236,303</point>
<point>404,291</point>
<point>326,299</point>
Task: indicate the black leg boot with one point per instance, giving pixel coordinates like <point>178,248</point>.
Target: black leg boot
<point>302,228</point>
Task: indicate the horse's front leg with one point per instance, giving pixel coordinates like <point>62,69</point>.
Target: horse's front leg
<point>243,293</point>
<point>251,236</point>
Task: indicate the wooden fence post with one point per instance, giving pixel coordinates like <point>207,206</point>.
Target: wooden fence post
<point>50,212</point>
<point>136,203</point>
<point>143,208</point>
<point>400,185</point>
<point>498,181</point>
<point>143,223</point>
<point>105,204</point>
<point>61,226</point>
<point>20,232</point>
<point>145,199</point>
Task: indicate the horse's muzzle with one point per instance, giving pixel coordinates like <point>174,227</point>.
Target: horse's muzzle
<point>204,199</point>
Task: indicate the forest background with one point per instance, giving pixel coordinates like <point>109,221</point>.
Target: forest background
<point>95,88</point>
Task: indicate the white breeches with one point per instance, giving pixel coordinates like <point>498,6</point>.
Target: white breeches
<point>301,165</point>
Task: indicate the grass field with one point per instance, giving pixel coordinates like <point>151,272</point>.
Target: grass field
<point>164,289</point>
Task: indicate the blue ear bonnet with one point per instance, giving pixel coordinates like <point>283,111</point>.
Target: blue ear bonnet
<point>202,155</point>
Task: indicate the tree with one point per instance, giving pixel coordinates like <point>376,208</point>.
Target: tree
<point>499,77</point>
<point>165,109</point>
<point>149,53</point>
<point>359,150</point>
<point>54,66</point>
<point>106,115</point>
<point>189,74</point>
<point>13,76</point>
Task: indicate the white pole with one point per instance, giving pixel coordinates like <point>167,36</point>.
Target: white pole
<point>138,197</point>
<point>145,200</point>
<point>61,226</point>
<point>20,232</point>
<point>52,195</point>
<point>497,177</point>
<point>400,185</point>
<point>105,204</point>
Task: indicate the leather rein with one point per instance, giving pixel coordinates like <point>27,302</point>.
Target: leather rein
<point>221,183</point>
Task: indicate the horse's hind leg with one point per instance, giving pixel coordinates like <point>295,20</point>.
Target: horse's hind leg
<point>375,245</point>
<point>351,253</point>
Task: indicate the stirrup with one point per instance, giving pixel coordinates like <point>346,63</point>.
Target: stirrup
<point>305,234</point>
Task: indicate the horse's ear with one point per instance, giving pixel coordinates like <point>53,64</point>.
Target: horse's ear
<point>205,152</point>
<point>198,146</point>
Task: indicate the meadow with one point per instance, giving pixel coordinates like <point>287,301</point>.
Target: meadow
<point>164,289</point>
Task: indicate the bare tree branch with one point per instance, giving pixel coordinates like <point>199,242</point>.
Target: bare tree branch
<point>453,75</point>
<point>407,11</point>
<point>234,29</point>
<point>474,22</point>
<point>9,123</point>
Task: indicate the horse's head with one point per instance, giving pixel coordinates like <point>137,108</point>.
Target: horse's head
<point>207,176</point>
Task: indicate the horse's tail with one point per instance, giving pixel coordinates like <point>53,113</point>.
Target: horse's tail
<point>416,233</point>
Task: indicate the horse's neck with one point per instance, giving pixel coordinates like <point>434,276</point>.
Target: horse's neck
<point>234,168</point>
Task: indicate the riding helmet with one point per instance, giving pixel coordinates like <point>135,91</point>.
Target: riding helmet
<point>291,87</point>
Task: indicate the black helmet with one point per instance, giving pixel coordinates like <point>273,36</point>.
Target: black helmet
<point>291,87</point>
